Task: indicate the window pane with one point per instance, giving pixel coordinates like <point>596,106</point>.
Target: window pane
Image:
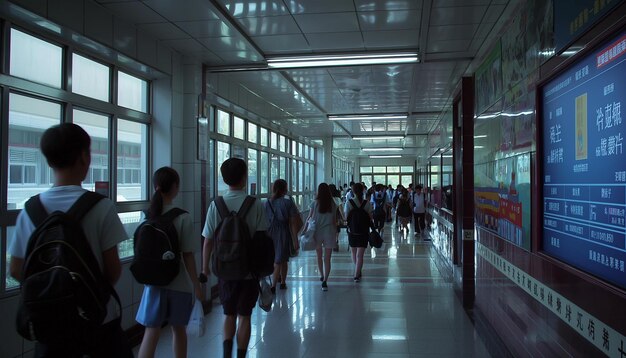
<point>393,169</point>
<point>264,137</point>
<point>132,92</point>
<point>223,153</point>
<point>275,168</point>
<point>283,143</point>
<point>90,78</point>
<point>306,152</point>
<point>265,179</point>
<point>252,134</point>
<point>240,128</point>
<point>311,177</point>
<point>300,150</point>
<point>380,179</point>
<point>283,168</point>
<point>274,140</point>
<point>294,148</point>
<point>35,59</point>
<point>130,221</point>
<point>10,282</point>
<point>406,180</point>
<point>294,178</point>
<point>367,179</point>
<point>252,171</point>
<point>407,169</point>
<point>300,176</point>
<point>223,123</point>
<point>132,158</point>
<point>97,126</point>
<point>393,180</point>
<point>28,170</point>
<point>366,169</point>
<point>380,169</point>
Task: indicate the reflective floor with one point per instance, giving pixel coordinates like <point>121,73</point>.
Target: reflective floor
<point>401,308</point>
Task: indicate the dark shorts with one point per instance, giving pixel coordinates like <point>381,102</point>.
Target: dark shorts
<point>357,240</point>
<point>238,297</point>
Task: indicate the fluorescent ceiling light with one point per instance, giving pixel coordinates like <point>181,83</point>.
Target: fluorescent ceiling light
<point>380,149</point>
<point>342,60</point>
<point>356,117</point>
<point>480,136</point>
<point>384,156</point>
<point>372,137</point>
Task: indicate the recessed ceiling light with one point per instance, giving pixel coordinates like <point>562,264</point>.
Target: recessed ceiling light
<point>342,60</point>
<point>364,117</point>
<point>384,156</point>
<point>381,149</point>
<point>377,137</point>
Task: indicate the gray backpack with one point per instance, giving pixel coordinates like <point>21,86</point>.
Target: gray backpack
<point>231,254</point>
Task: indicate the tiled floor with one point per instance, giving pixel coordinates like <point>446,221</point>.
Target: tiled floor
<point>401,308</point>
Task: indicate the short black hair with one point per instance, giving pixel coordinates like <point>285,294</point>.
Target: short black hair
<point>418,186</point>
<point>63,144</point>
<point>233,171</point>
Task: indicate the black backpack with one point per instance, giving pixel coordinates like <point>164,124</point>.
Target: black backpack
<point>64,294</point>
<point>157,250</point>
<point>359,222</point>
<point>231,256</point>
<point>379,210</point>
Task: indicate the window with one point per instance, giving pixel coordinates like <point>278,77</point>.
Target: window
<point>366,169</point>
<point>130,221</point>
<point>35,59</point>
<point>223,153</point>
<point>407,169</point>
<point>282,143</point>
<point>307,175</point>
<point>132,161</point>
<point>223,123</point>
<point>294,177</point>
<point>294,148</point>
<point>97,126</point>
<point>380,169</point>
<point>393,180</point>
<point>406,180</point>
<point>306,152</point>
<point>252,171</point>
<point>10,282</point>
<point>300,150</point>
<point>283,168</point>
<point>252,133</point>
<point>380,179</point>
<point>264,137</point>
<point>29,117</point>
<point>273,140</point>
<point>275,168</point>
<point>132,92</point>
<point>90,78</point>
<point>265,180</point>
<point>300,176</point>
<point>393,169</point>
<point>240,128</point>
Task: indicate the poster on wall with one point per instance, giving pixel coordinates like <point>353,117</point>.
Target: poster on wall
<point>488,87</point>
<point>577,16</point>
<point>584,163</point>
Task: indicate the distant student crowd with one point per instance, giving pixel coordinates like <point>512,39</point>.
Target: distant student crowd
<point>64,252</point>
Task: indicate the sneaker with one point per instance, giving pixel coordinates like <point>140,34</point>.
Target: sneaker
<point>324,286</point>
<point>357,278</point>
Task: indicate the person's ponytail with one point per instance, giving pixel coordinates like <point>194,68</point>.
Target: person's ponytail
<point>156,205</point>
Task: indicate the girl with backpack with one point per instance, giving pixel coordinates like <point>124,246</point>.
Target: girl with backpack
<point>403,211</point>
<point>359,225</point>
<point>173,302</point>
<point>323,212</point>
<point>285,223</point>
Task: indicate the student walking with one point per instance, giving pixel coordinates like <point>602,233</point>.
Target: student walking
<point>173,302</point>
<point>285,223</point>
<point>324,213</point>
<point>359,214</point>
<point>238,296</point>
<point>418,203</point>
<point>67,149</point>
<point>379,201</point>
<point>339,212</point>
<point>403,211</point>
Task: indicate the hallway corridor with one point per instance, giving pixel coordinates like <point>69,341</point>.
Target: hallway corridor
<point>402,307</point>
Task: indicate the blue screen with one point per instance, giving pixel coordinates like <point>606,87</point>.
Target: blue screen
<point>584,163</point>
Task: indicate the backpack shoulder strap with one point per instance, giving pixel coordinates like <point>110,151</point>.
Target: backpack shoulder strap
<point>363,203</point>
<point>82,206</point>
<point>173,214</point>
<point>269,202</point>
<point>245,207</point>
<point>222,209</point>
<point>353,204</point>
<point>36,212</point>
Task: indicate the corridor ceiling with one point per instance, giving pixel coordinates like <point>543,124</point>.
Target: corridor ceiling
<point>242,34</point>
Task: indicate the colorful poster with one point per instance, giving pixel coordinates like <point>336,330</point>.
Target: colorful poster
<point>584,163</point>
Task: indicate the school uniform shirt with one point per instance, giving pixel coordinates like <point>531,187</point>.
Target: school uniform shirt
<point>101,225</point>
<point>419,203</point>
<point>325,223</point>
<point>256,219</point>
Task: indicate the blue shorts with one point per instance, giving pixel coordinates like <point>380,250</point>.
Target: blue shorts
<point>160,305</point>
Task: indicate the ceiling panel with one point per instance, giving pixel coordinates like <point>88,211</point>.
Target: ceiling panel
<point>188,10</point>
<point>457,3</point>
<point>452,32</point>
<point>164,31</point>
<point>387,5</point>
<point>282,44</point>
<point>219,44</point>
<point>266,26</point>
<point>448,46</point>
<point>207,28</point>
<point>239,8</point>
<point>399,39</point>
<point>331,22</point>
<point>457,15</point>
<point>319,6</point>
<point>390,20</point>
<point>185,45</point>
<point>135,12</point>
<point>347,41</point>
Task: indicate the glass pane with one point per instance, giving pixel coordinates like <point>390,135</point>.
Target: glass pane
<point>223,153</point>
<point>379,169</point>
<point>10,282</point>
<point>275,168</point>
<point>252,171</point>
<point>366,169</point>
<point>132,159</point>
<point>294,171</point>
<point>240,128</point>
<point>35,59</point>
<point>300,176</point>
<point>306,151</point>
<point>393,169</point>
<point>300,150</point>
<point>380,179</point>
<point>223,123</point>
<point>252,133</point>
<point>406,180</point>
<point>283,143</point>
<point>132,92</point>
<point>294,148</point>
<point>264,137</point>
<point>311,177</point>
<point>407,169</point>
<point>265,179</point>
<point>29,173</point>
<point>367,179</point>
<point>97,126</point>
<point>312,154</point>
<point>130,221</point>
<point>283,168</point>
<point>393,180</point>
<point>90,78</point>
<point>274,140</point>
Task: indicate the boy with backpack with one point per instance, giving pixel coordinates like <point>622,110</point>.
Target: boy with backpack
<point>418,202</point>
<point>379,201</point>
<point>64,250</point>
<point>239,288</point>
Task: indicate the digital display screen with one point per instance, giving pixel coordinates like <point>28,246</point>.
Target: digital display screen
<point>584,163</point>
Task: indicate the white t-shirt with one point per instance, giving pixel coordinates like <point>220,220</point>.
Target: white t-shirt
<point>418,202</point>
<point>103,228</point>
